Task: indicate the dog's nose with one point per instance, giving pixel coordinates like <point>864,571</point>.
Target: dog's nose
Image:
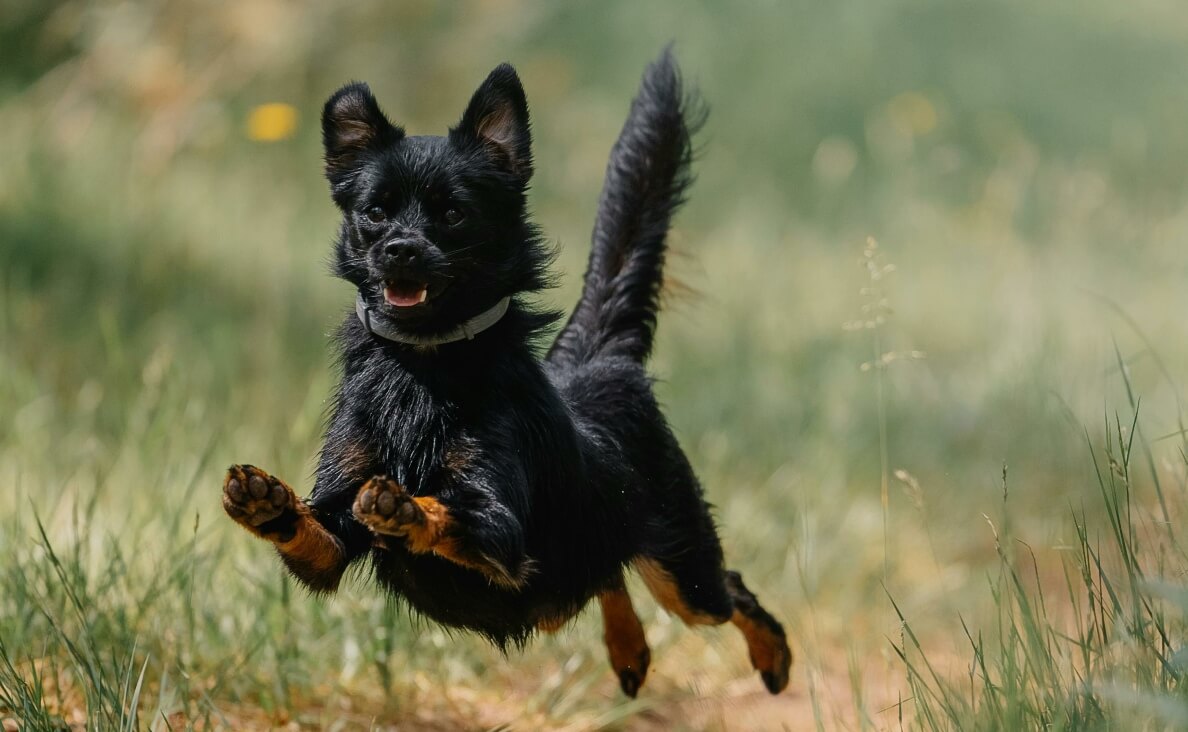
<point>403,252</point>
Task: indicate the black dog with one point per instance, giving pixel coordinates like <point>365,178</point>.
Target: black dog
<point>494,491</point>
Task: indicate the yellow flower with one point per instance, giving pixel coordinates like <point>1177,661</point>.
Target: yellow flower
<point>272,122</point>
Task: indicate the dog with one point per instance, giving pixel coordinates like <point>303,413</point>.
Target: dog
<point>494,490</point>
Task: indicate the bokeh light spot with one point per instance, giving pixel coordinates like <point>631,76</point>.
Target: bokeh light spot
<point>912,114</point>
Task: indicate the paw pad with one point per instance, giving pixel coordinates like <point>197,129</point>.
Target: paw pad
<point>253,497</point>
<point>384,506</point>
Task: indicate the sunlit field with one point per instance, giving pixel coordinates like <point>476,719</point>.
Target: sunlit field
<point>924,340</point>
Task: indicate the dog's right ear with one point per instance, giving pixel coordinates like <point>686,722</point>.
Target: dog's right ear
<point>352,124</point>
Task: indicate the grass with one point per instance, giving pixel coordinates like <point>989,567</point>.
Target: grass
<point>1020,166</point>
<point>1102,650</point>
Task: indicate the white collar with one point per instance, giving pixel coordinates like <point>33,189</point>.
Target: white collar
<point>383,328</point>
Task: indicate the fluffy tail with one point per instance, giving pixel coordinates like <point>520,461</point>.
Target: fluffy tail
<point>646,180</point>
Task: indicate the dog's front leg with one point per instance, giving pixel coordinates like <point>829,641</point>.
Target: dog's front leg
<point>305,537</point>
<point>267,507</point>
<point>466,525</point>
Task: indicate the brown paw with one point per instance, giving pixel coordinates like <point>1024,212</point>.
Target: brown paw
<point>768,648</point>
<point>386,508</point>
<point>767,643</point>
<point>259,502</point>
<point>775,676</point>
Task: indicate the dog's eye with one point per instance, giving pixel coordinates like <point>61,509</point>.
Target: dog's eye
<point>453,217</point>
<point>376,215</point>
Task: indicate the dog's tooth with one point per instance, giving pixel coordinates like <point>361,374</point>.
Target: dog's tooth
<point>423,296</point>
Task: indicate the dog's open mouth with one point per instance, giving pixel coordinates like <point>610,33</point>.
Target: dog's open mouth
<point>405,293</point>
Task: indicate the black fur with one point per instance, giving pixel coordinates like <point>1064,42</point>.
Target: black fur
<point>646,180</point>
<point>560,472</point>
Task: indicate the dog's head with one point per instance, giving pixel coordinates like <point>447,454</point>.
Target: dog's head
<point>434,229</point>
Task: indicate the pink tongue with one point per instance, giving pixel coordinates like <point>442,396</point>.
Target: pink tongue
<point>404,299</point>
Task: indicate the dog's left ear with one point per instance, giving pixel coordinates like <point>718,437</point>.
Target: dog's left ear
<point>497,118</point>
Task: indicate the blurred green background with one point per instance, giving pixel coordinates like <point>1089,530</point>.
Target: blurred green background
<point>165,300</point>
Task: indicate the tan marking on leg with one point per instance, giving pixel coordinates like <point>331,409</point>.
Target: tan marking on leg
<point>768,651</point>
<point>266,506</point>
<point>432,533</point>
<point>625,641</point>
<point>664,588</point>
<point>312,545</point>
<point>767,642</point>
<point>435,535</point>
<point>426,526</point>
<point>553,623</point>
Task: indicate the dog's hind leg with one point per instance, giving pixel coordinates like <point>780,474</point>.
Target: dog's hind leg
<point>766,641</point>
<point>705,595</point>
<point>682,564</point>
<point>624,636</point>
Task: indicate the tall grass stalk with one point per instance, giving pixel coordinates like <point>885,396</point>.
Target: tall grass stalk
<point>875,314</point>
<point>1103,650</point>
